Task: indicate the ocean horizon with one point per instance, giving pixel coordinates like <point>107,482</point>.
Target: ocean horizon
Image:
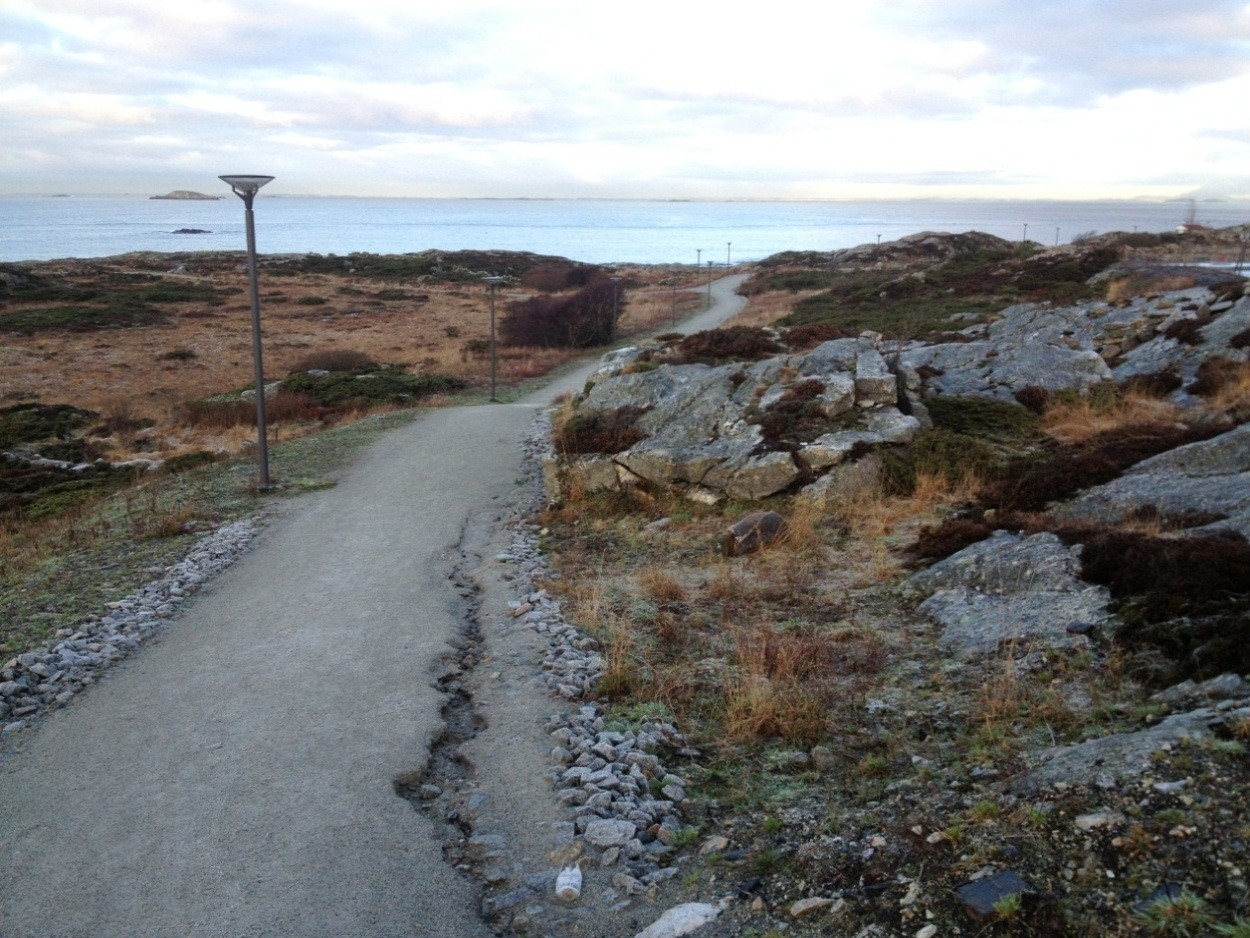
<point>602,231</point>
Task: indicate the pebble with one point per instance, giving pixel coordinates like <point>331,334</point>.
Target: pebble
<point>49,676</point>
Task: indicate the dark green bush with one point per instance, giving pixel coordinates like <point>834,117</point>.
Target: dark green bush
<point>386,385</point>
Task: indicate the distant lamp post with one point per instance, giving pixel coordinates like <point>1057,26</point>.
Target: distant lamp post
<point>698,259</point>
<point>728,245</point>
<point>616,303</point>
<point>1025,237</point>
<point>493,283</point>
<point>246,187</point>
<point>1056,237</point>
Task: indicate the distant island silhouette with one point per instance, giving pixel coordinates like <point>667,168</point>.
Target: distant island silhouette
<point>187,195</point>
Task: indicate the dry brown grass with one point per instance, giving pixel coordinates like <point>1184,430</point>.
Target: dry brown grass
<point>1125,288</point>
<point>1080,419</point>
<point>660,585</point>
<point>764,309</point>
<point>1233,397</point>
<point>773,691</point>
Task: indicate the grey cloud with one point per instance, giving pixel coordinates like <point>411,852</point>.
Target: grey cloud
<point>1081,49</point>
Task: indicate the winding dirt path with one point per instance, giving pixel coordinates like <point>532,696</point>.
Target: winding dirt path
<point>236,777</point>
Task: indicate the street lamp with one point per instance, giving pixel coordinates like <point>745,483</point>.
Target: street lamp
<point>494,283</point>
<point>728,245</point>
<point>246,187</point>
<point>1025,237</point>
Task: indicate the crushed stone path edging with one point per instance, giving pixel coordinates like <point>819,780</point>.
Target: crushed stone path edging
<point>49,676</point>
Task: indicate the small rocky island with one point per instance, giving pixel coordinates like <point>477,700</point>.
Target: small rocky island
<point>186,195</point>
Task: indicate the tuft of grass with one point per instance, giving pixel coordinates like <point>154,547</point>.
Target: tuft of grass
<point>1183,915</point>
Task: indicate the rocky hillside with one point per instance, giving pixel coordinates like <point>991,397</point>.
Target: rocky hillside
<point>980,665</point>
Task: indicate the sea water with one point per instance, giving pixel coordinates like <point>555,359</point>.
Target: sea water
<point>43,228</point>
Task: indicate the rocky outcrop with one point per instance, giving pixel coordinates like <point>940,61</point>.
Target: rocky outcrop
<point>1079,346</point>
<point>745,431</point>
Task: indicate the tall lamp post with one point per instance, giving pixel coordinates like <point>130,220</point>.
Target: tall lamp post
<point>246,187</point>
<point>494,283</point>
<point>728,245</point>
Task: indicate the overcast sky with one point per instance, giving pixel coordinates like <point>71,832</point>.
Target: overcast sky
<point>538,98</point>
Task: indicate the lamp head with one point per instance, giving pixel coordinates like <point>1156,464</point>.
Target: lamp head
<point>245,186</point>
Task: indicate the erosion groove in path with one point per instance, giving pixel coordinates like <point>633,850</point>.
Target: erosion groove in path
<point>443,791</point>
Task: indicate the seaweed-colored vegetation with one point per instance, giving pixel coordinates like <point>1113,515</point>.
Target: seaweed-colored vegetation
<point>1032,483</point>
<point>34,423</point>
<point>715,346</point>
<point>599,433</point>
<point>1185,601</point>
<point>1153,384</point>
<point>439,266</point>
<point>335,360</point>
<point>1216,374</point>
<point>805,337</point>
<point>552,278</point>
<point>800,416</point>
<point>87,309</point>
<point>361,387</point>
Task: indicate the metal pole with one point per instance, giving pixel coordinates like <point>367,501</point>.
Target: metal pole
<point>494,356</point>
<point>1024,239</point>
<point>728,245</point>
<point>262,432</point>
<point>1056,237</point>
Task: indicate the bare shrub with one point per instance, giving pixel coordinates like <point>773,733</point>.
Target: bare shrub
<point>577,320</point>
